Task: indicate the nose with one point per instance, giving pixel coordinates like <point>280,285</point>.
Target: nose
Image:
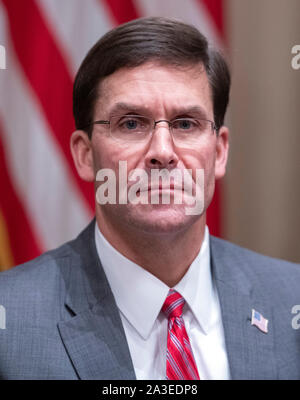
<point>161,152</point>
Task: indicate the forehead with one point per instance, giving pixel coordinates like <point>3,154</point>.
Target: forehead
<point>157,89</point>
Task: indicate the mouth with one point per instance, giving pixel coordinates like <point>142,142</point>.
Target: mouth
<point>162,187</point>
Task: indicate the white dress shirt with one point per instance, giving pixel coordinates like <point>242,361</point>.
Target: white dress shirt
<point>140,295</point>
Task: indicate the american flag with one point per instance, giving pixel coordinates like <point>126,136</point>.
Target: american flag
<point>43,202</point>
<point>259,321</point>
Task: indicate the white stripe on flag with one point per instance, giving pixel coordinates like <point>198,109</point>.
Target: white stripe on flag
<point>76,25</point>
<point>190,11</point>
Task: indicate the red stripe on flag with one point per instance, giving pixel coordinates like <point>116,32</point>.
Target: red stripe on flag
<point>214,213</point>
<point>46,71</point>
<point>122,10</point>
<point>215,8</point>
<point>23,243</point>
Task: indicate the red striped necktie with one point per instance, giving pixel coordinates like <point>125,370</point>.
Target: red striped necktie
<point>180,359</point>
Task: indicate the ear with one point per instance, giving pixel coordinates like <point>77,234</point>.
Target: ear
<point>222,148</point>
<point>81,150</point>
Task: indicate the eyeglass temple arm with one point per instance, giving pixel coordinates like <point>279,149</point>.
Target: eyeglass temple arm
<point>101,122</point>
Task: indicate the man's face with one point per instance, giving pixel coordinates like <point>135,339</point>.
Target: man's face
<point>159,92</point>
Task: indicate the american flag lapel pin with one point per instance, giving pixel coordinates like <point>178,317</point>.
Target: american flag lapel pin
<point>259,321</point>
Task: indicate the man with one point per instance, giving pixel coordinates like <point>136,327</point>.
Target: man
<point>145,292</point>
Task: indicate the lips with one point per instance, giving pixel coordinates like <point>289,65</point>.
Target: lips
<point>170,186</point>
<point>148,184</point>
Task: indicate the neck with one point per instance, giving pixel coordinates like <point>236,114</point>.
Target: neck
<point>169,256</point>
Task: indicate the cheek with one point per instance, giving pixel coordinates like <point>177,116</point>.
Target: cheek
<point>202,158</point>
<point>108,153</point>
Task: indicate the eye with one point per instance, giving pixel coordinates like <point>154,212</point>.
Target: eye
<point>131,124</point>
<point>185,124</point>
<point>128,123</point>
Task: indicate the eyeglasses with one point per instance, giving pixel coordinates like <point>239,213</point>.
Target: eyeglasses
<point>137,128</point>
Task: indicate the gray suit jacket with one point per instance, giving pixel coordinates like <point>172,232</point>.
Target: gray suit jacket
<point>62,321</point>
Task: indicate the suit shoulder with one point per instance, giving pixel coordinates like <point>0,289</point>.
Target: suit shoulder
<point>45,274</point>
<point>34,273</point>
<point>251,259</point>
<point>36,289</point>
<point>268,278</point>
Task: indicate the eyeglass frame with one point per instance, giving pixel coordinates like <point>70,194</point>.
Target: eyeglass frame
<point>170,123</point>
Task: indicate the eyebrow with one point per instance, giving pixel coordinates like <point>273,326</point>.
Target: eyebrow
<point>127,107</point>
<point>195,110</point>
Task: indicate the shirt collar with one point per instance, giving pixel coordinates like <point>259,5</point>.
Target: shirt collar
<point>140,295</point>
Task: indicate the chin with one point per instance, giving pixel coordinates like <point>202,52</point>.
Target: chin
<point>160,219</point>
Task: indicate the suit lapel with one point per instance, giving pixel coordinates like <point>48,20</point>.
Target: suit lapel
<point>96,344</point>
<point>94,337</point>
<point>250,351</point>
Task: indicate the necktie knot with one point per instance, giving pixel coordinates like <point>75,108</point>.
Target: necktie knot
<point>173,305</point>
